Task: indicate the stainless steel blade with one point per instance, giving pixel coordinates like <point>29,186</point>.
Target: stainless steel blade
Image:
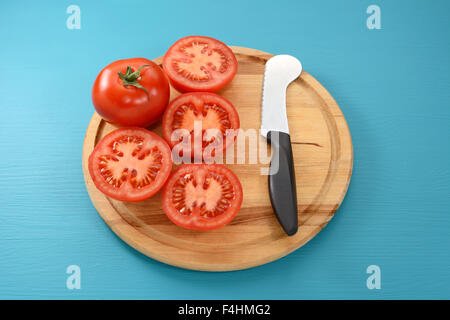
<point>279,72</point>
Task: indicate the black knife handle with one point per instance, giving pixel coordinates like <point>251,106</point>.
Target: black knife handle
<point>282,189</point>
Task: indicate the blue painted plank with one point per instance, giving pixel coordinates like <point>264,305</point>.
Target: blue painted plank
<point>392,85</point>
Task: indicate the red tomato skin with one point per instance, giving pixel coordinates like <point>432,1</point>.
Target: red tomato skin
<point>185,88</point>
<point>184,85</point>
<point>128,105</point>
<point>198,96</point>
<point>199,223</point>
<point>103,187</point>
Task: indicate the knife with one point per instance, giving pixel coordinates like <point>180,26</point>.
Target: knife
<point>279,72</point>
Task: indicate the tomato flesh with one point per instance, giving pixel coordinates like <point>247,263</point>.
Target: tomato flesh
<point>198,63</point>
<point>218,118</point>
<point>202,196</point>
<point>130,164</point>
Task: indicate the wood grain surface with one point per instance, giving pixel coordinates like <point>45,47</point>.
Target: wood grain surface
<point>323,156</point>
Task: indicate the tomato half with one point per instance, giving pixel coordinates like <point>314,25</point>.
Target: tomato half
<point>137,96</point>
<point>198,63</point>
<point>130,164</point>
<point>218,118</point>
<point>202,196</point>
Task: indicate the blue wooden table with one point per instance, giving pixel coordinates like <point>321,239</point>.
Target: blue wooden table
<point>392,85</point>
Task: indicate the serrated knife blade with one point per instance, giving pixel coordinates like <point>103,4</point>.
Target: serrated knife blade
<point>279,72</point>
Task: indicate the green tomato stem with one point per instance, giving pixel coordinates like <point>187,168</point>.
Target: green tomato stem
<point>130,78</point>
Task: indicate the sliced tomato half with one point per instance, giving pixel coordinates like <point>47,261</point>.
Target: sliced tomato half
<point>202,196</point>
<point>211,122</point>
<point>198,63</point>
<point>130,164</point>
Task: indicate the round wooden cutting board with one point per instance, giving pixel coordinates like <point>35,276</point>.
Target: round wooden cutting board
<point>323,154</point>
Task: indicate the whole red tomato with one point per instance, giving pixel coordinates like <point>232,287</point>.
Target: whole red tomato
<point>131,92</point>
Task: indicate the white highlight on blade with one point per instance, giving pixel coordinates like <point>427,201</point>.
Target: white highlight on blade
<point>279,72</point>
